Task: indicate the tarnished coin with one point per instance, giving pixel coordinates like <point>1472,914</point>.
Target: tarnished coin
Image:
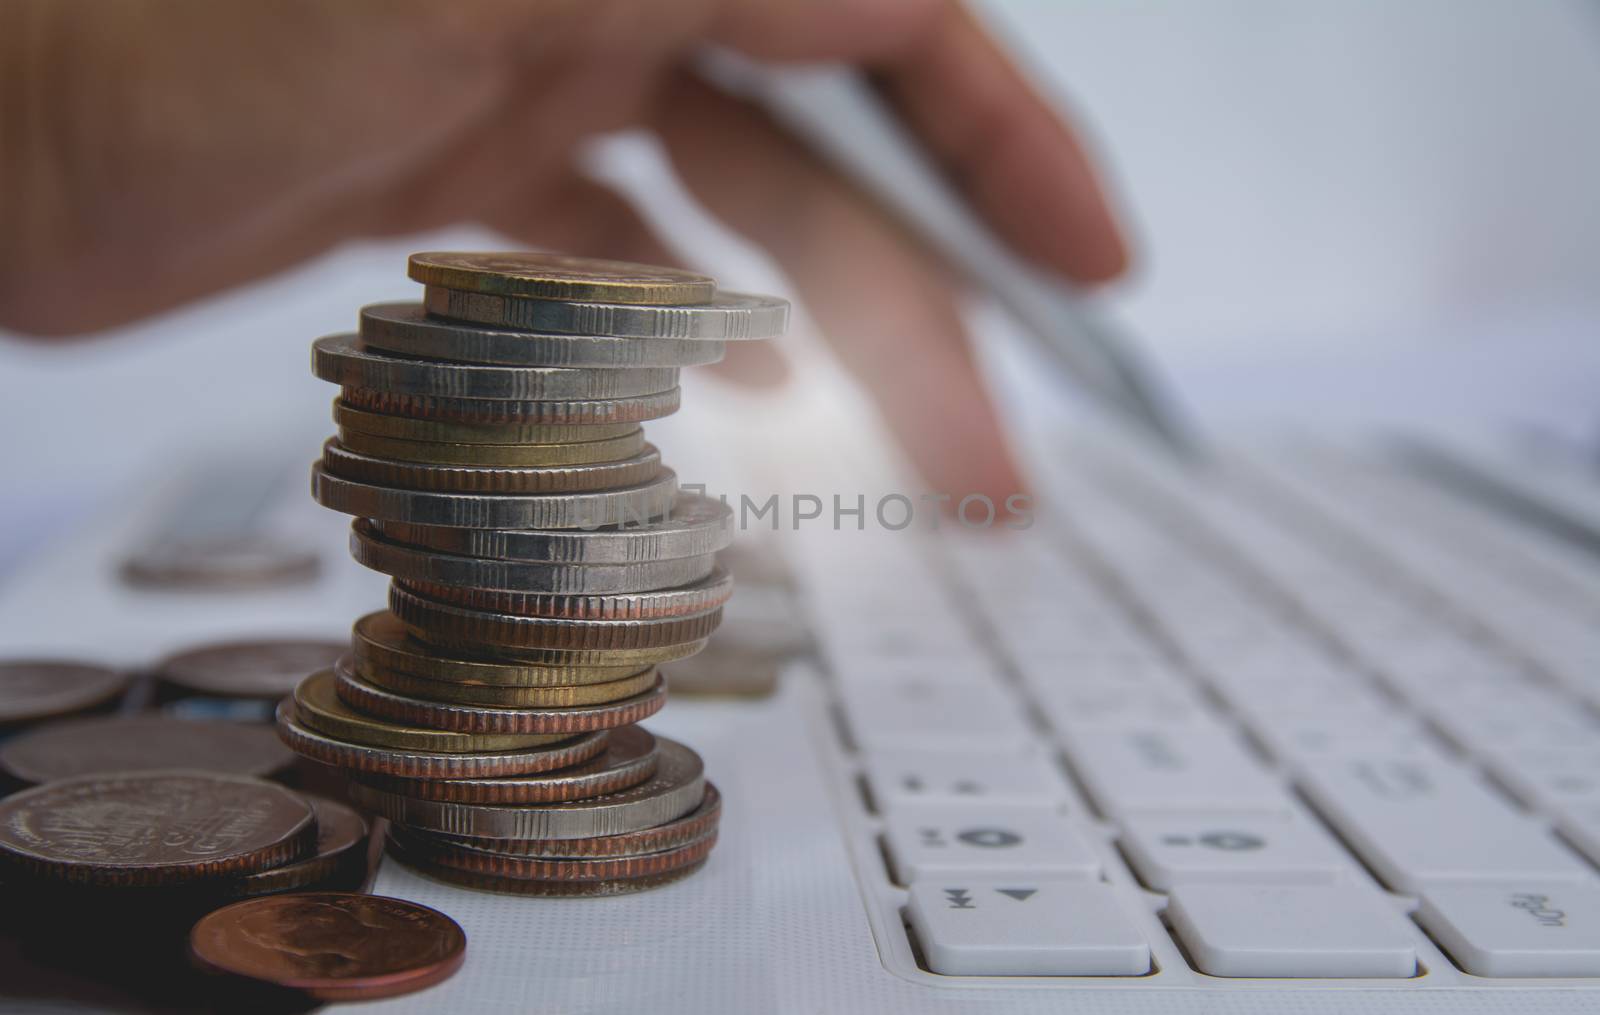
<point>712,590</point>
<point>407,329</point>
<point>432,568</point>
<point>32,689</point>
<point>381,642</point>
<point>676,789</point>
<point>212,563</point>
<point>439,430</point>
<point>331,946</point>
<point>481,719</point>
<point>629,759</point>
<point>729,317</point>
<point>527,868</point>
<point>172,827</point>
<point>697,526</point>
<point>589,509</point>
<point>318,706</point>
<point>609,449</point>
<point>340,854</point>
<point>538,889</point>
<point>556,479</point>
<point>670,835</point>
<point>343,360</point>
<point>443,624</point>
<point>73,747</point>
<point>569,696</point>
<point>491,412</point>
<point>249,669</point>
<point>432,765</point>
<point>560,277</point>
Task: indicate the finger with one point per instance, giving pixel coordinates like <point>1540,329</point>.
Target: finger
<point>886,305</point>
<point>1008,152</point>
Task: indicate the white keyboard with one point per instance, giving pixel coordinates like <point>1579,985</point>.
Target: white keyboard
<point>1296,722</point>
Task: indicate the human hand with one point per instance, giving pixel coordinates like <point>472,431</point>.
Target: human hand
<point>155,151</point>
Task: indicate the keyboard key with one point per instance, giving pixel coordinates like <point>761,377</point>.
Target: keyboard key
<point>1552,778</point>
<point>1339,930</point>
<point>921,714</point>
<point>1312,738</point>
<point>1025,927</point>
<point>901,778</point>
<point>1517,928</point>
<point>1421,820</point>
<point>1192,767</point>
<point>1580,823</point>
<point>1025,841</point>
<point>1170,849</point>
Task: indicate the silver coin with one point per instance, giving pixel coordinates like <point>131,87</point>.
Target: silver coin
<point>212,563</point>
<point>342,359</point>
<point>411,563</point>
<point>439,623</point>
<point>730,317</point>
<point>696,527</point>
<point>406,328</point>
<point>341,461</point>
<point>490,411</point>
<point>676,789</point>
<point>713,590</point>
<point>588,510</point>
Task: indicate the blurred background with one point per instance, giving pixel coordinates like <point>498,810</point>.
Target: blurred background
<point>1345,215</point>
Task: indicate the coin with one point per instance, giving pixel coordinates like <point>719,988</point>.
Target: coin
<point>676,789</point>
<point>696,526</point>
<point>407,329</point>
<point>152,828</point>
<point>670,835</point>
<point>630,758</point>
<point>350,418</point>
<point>538,889</point>
<point>340,853</point>
<point>210,563</point>
<point>729,317</point>
<point>610,449</point>
<point>589,509</point>
<point>712,590</point>
<point>73,747</point>
<point>453,570</point>
<point>33,689</point>
<point>488,411</point>
<point>318,706</point>
<point>560,277</point>
<point>480,719</point>
<point>639,468</point>
<point>248,669</point>
<point>443,624</point>
<point>525,868</point>
<point>343,360</point>
<point>381,642</point>
<point>331,946</point>
<point>432,765</point>
<point>593,693</point>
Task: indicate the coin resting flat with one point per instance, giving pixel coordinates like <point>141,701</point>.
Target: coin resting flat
<point>37,689</point>
<point>116,743</point>
<point>248,669</point>
<point>560,277</point>
<point>728,317</point>
<point>491,411</point>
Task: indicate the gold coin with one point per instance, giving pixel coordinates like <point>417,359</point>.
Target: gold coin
<point>381,642</point>
<point>610,449</point>
<point>560,277</point>
<point>341,462</point>
<point>319,707</point>
<point>511,697</point>
<point>406,428</point>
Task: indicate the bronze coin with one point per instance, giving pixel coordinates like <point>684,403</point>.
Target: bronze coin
<point>33,689</point>
<point>338,460</point>
<point>439,623</point>
<point>710,591</point>
<point>332,946</point>
<point>537,889</point>
<point>630,758</point>
<point>668,836</point>
<point>360,695</point>
<point>460,693</point>
<point>269,668</point>
<point>340,852</point>
<point>494,411</point>
<point>560,277</point>
<point>172,827</point>
<point>432,765</point>
<point>531,868</point>
<point>73,747</point>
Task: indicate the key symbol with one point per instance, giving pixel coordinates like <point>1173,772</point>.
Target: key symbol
<point>1020,894</point>
<point>1232,841</point>
<point>989,838</point>
<point>959,898</point>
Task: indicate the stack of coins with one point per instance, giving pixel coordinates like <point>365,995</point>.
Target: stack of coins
<point>543,565</point>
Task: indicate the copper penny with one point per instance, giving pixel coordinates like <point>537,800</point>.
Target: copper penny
<point>567,696</point>
<point>711,591</point>
<point>539,889</point>
<point>173,827</point>
<point>73,747</point>
<point>249,669</point>
<point>340,852</point>
<point>484,719</point>
<point>560,277</point>
<point>630,758</point>
<point>332,946</point>
<point>649,840</point>
<point>432,765</point>
<point>33,689</point>
<point>530,868</point>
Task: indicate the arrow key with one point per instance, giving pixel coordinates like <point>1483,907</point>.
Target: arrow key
<point>1025,928</point>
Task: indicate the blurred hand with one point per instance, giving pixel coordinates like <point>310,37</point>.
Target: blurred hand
<point>155,151</point>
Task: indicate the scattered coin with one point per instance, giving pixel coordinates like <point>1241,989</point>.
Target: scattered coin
<point>248,669</point>
<point>339,856</point>
<point>560,277</point>
<point>74,747</point>
<point>728,317</point>
<point>332,946</point>
<point>32,689</point>
<point>206,563</point>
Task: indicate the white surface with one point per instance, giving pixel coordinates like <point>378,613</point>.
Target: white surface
<point>1517,928</point>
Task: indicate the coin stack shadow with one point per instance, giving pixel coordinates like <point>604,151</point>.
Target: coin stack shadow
<point>543,565</point>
